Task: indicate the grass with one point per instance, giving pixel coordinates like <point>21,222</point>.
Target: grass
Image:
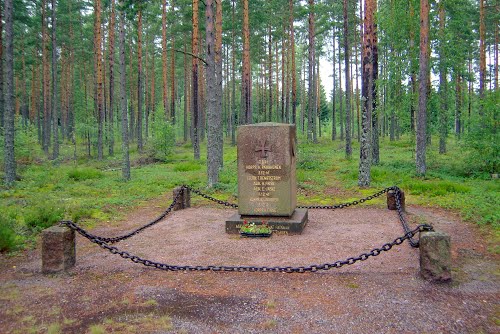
<point>91,191</point>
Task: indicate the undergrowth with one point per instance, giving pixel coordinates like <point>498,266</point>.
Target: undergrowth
<point>91,191</point>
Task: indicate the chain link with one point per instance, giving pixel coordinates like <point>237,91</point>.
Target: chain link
<point>104,242</point>
<point>302,269</point>
<point>348,204</point>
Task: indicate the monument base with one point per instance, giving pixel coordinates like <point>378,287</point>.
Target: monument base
<point>280,225</point>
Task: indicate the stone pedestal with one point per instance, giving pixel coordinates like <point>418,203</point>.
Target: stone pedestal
<point>184,200</point>
<point>280,225</point>
<point>391,200</point>
<point>435,256</point>
<point>58,249</point>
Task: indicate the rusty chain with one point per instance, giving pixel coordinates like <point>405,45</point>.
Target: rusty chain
<point>104,242</point>
<point>302,269</point>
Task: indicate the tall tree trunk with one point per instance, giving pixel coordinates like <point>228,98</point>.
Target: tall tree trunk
<point>99,78</point>
<point>348,147</point>
<point>373,90</point>
<point>219,78</point>
<point>164,55</point>
<point>458,104</point>
<point>247,79</point>
<point>413,74</point>
<point>283,78</point>
<point>123,99</point>
<point>334,125</point>
<point>368,92</point>
<point>172,82</point>
<point>482,60</point>
<point>186,93</point>
<point>293,70</point>
<point>2,105</point>
<point>111,148</point>
<point>55,118</point>
<point>443,82</point>
<point>311,101</point>
<point>9,133</point>
<point>234,113</point>
<point>140,90</point>
<point>46,82</point>
<point>341,98</point>
<point>422,98</point>
<point>270,76</point>
<point>195,93</point>
<point>214,121</point>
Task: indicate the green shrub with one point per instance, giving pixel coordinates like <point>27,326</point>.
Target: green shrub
<point>81,174</point>
<point>9,241</point>
<point>42,216</point>
<point>163,140</point>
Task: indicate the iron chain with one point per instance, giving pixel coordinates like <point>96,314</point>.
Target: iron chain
<point>302,269</point>
<point>104,242</point>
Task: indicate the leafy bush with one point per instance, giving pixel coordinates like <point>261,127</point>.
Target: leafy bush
<point>8,239</point>
<point>163,140</point>
<point>81,174</point>
<point>43,216</point>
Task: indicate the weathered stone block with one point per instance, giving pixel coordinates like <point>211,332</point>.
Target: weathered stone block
<point>58,249</point>
<point>267,183</point>
<point>435,256</point>
<point>280,225</point>
<point>184,200</point>
<point>391,200</point>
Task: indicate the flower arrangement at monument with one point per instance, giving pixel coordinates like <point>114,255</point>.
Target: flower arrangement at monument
<point>255,230</point>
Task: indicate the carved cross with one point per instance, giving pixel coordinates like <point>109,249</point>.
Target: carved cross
<point>263,149</point>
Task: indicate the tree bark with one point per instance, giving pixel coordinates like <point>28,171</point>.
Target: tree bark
<point>311,75</point>
<point>214,116</point>
<point>367,91</point>
<point>112,20</point>
<point>293,70</point>
<point>123,100</point>
<point>2,104</point>
<point>55,118</point>
<point>195,93</point>
<point>164,55</point>
<point>46,83</point>
<point>348,147</point>
<point>443,82</point>
<point>140,90</point>
<point>219,79</point>
<point>247,79</point>
<point>334,125</point>
<point>373,91</point>
<point>420,153</point>
<point>9,130</point>
<point>99,78</point>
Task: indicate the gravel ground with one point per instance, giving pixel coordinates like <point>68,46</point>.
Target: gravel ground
<point>382,295</point>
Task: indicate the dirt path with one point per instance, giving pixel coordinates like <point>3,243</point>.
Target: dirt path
<point>105,293</point>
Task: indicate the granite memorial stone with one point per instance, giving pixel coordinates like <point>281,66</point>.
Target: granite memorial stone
<point>267,185</point>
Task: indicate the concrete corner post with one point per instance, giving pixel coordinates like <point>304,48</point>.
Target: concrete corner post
<point>184,200</point>
<point>58,249</point>
<point>391,200</point>
<point>435,256</point>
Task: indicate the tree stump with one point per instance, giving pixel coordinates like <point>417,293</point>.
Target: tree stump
<point>58,249</point>
<point>391,200</point>
<point>435,256</point>
<point>184,199</point>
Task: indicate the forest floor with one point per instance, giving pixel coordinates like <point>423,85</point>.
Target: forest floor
<point>107,294</point>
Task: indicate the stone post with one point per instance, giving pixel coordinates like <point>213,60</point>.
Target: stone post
<point>435,256</point>
<point>184,200</point>
<point>58,249</point>
<point>391,200</point>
